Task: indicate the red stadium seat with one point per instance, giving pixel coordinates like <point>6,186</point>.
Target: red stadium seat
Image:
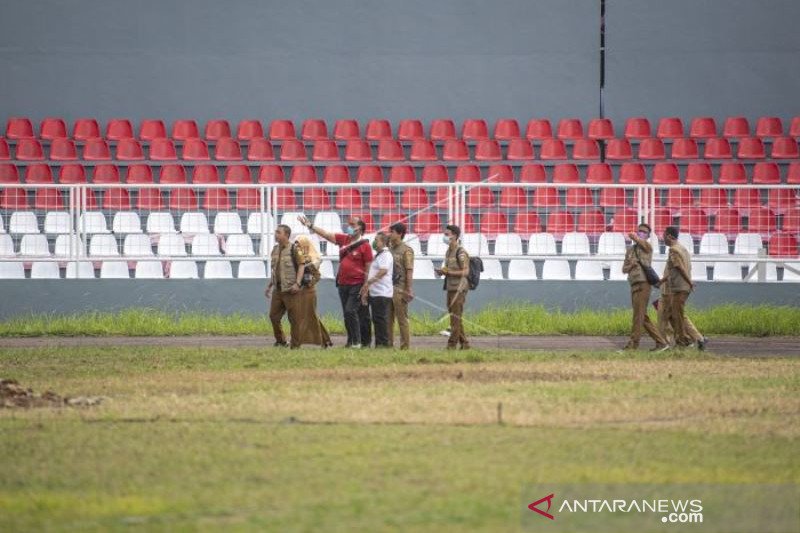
<point>527,223</point>
<point>378,130</point>
<point>314,129</point>
<point>149,199</point>
<point>316,199</point>
<point>494,222</point>
<point>585,149</point>
<point>135,174</point>
<point>513,197</point>
<point>570,129</point>
<point>566,173</point>
<point>285,199</point>
<point>293,150</point>
<point>474,129</point>
<point>346,130</point>
<point>678,200</point>
<point>500,174</point>
<point>666,174</point>
<point>414,198</point>
<point>480,197</point>
<point>670,128</point>
<point>736,127</point>
<point>183,200</point>
<point>713,199</point>
<point>553,149</point>
<point>8,173</point>
<point>16,199</point>
<point>761,220</point>
<point>5,153</point>
<point>217,129</point>
<point>216,199</point>
<point>750,148</point>
<point>538,129</point>
<point>248,199</point>
<point>546,197</point>
<point>29,150</point>
<point>694,221</point>
<point>592,223</point>
<point>599,173</point>
<point>612,198</point>
<point>717,148</point>
<point>766,173</point>
<point>336,174</point>
<point>38,173</point>
<point>782,245</point>
<point>370,174</point>
<point>468,174</point>
<point>249,129</point>
<point>402,174</point>
<point>791,221</point>
<point>128,150</point>
<point>601,129</point>
<point>637,128</point>
<point>53,128</point>
<point>358,150</point>
<point>533,173</point>
<point>151,129</point>
<point>769,127</point>
<point>625,220</point>
<point>96,150</point>
<point>785,148</point>
<point>390,150</point>
<point>781,200</point>
<point>559,223</point>
<point>303,174</point>
<point>63,150</point>
<point>488,150</point>
<point>519,150</point>
<point>326,150</point>
<point>172,174</point>
<point>435,174</point>
<point>260,149</point>
<point>684,149</point>
<point>237,174</point>
<point>72,174</point>
<point>382,199</point>
<point>728,221</point>
<point>162,150</point>
<point>117,200</point>
<point>732,174</point>
<point>393,217</point>
<point>455,150</point>
<point>699,174</point>
<point>205,174</point>
<point>410,130</point>
<point>423,150</point>
<point>347,199</point>
<point>703,128</point>
<point>746,199</point>
<point>195,150</point>
<point>427,223</point>
<point>651,149</point>
<point>85,128</point>
<point>183,129</point>
<point>793,175</point>
<point>619,150</point>
<point>19,128</point>
<point>227,149</point>
<point>579,197</point>
<point>443,129</point>
<point>271,174</point>
<point>283,130</point>
<point>794,128</point>
<point>506,129</point>
<point>632,173</point>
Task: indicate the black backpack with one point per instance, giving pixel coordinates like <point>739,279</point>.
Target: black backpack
<point>474,274</point>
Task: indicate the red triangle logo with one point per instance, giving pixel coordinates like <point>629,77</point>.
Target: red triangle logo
<point>549,500</point>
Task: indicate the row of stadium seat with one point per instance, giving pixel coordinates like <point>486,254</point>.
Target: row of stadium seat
<point>259,149</point>
<point>663,173</point>
<point>516,269</point>
<point>407,130</point>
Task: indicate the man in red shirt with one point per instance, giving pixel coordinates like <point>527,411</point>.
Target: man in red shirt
<point>355,256</point>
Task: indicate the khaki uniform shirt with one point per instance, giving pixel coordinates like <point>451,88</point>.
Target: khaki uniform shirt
<point>678,255</point>
<point>404,261</point>
<point>456,258</point>
<point>631,265</point>
<point>284,274</point>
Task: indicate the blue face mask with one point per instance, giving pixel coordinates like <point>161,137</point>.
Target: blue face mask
<point>643,235</point>
<point>348,230</point>
<point>445,239</point>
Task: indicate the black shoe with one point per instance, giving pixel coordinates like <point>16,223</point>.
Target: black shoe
<point>701,344</point>
<point>279,344</point>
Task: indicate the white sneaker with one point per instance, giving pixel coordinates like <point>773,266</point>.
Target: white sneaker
<point>664,349</point>
<point>445,333</point>
<point>355,346</point>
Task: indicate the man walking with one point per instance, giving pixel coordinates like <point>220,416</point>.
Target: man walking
<point>403,291</point>
<point>284,297</point>
<point>678,277</point>
<point>377,290</point>
<point>455,269</point>
<point>639,256</point>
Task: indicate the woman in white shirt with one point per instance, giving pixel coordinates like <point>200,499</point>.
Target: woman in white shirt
<point>378,289</point>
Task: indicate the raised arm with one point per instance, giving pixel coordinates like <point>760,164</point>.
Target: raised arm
<point>328,236</point>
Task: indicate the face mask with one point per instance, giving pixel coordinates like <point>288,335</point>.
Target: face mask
<point>642,235</point>
<point>348,230</point>
<point>445,239</point>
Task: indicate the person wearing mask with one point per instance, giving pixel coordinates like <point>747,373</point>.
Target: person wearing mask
<point>637,257</point>
<point>284,286</point>
<point>403,291</point>
<point>377,291</point>
<point>355,256</point>
<point>455,269</point>
<point>678,277</point>
<point>309,326</point>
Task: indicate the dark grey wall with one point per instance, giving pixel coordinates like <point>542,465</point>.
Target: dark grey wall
<point>307,58</point>
<point>702,58</point>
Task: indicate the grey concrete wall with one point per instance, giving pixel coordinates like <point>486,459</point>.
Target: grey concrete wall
<point>307,58</point>
<point>246,296</point>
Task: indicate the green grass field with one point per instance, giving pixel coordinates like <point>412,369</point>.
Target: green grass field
<point>337,440</point>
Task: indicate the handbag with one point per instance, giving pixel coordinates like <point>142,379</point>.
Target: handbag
<point>650,273</point>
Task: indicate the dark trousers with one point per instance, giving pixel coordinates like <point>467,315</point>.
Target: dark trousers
<point>381,307</point>
<point>356,316</point>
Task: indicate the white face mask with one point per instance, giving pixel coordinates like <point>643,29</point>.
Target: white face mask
<point>445,239</point>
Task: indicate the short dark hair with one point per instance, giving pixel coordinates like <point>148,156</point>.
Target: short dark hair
<point>384,238</point>
<point>360,223</point>
<point>455,229</point>
<point>645,225</point>
<point>399,228</point>
<point>672,231</point>
<point>286,229</point>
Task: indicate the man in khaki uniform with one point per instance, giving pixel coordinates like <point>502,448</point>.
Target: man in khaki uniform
<point>455,269</point>
<point>403,286</point>
<point>641,253</point>
<point>678,277</point>
<point>285,298</point>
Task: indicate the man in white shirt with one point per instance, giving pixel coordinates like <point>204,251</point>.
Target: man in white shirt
<point>378,289</point>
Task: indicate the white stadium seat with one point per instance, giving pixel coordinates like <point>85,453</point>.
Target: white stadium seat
<point>218,270</point>
<point>475,244</point>
<point>615,271</point>
<point>63,243</point>
<point>2,226</point>
<point>80,270</point>
<point>137,245</point>
<point>556,269</point>
<point>659,267</point>
<point>789,275</point>
<point>656,244</point>
<point>258,224</point>
<point>747,244</point>
<point>326,270</point>
<point>542,244</point>
<point>6,246</point>
<point>727,271</point>
<point>226,223</point>
<point>126,222</point>
<point>412,241</point>
<point>289,218</point>
<point>423,269</point>
<point>508,244</point>
<point>149,270</point>
<point>699,271</point>
<point>92,222</point>
<point>239,245</point>
<point>57,222</point>
<point>23,222</point>
<point>114,270</point>
<point>575,243</point>
<point>252,270</point>
<point>171,244</point>
<point>183,270</point>
<point>588,270</point>
<point>12,271</point>
<point>45,270</point>
<point>436,246</point>
<point>686,240</point>
<point>714,244</point>
<point>329,221</point>
<point>34,246</point>
<point>771,272</point>
<point>205,245</point>
<point>194,223</point>
<point>160,223</point>
<point>611,243</point>
<point>103,245</point>
<point>521,269</point>
<point>492,269</point>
